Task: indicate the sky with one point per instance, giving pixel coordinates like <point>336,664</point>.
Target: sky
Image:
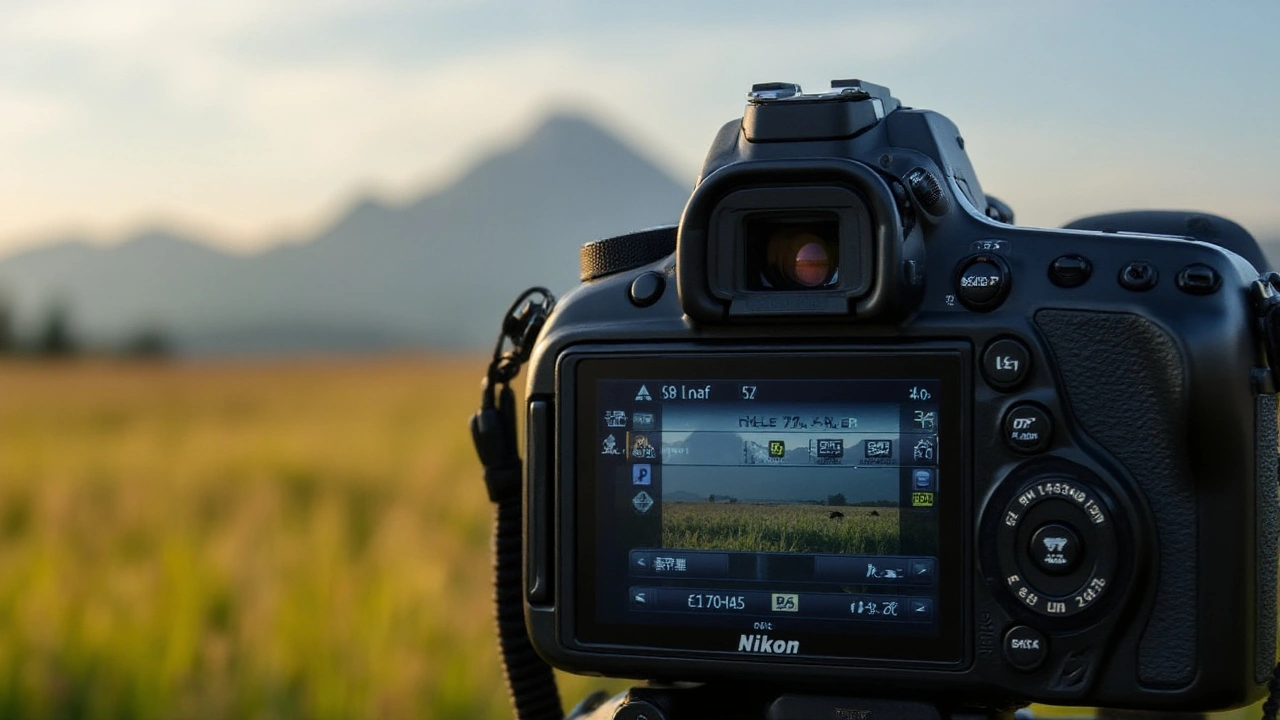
<point>247,122</point>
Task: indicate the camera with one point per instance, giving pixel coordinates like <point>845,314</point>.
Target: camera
<point>847,429</point>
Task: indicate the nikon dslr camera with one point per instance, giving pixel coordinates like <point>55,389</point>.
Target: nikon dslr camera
<point>848,429</point>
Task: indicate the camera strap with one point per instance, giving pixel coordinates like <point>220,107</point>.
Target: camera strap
<point>530,681</point>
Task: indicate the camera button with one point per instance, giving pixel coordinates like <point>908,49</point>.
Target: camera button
<point>1055,549</point>
<point>982,282</point>
<point>1139,275</point>
<point>1006,363</point>
<point>1027,428</point>
<point>647,288</point>
<point>1070,271</point>
<point>1198,279</point>
<point>1025,648</point>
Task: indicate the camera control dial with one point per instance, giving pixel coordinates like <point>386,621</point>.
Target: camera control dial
<point>1056,544</point>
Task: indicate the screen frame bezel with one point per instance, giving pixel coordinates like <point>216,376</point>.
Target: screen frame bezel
<point>577,628</point>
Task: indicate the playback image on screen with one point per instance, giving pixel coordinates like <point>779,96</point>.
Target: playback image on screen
<point>813,481</point>
<point>849,517</point>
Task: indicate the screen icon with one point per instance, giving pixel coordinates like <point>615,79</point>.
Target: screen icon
<point>642,502</point>
<point>925,450</point>
<point>610,446</point>
<point>777,449</point>
<point>785,602</point>
<point>925,420</point>
<point>826,451</point>
<point>922,499</point>
<point>641,474</point>
<point>642,421</point>
<point>643,394</point>
<point>922,478</point>
<point>920,608</point>
<point>615,418</point>
<point>922,570</point>
<point>640,447</point>
<point>878,449</point>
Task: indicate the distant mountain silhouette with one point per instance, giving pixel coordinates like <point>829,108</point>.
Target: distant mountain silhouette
<point>683,496</point>
<point>435,272</point>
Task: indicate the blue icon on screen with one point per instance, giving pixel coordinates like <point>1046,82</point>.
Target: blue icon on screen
<point>641,474</point>
<point>922,478</point>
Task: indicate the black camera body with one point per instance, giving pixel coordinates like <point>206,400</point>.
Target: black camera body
<point>860,434</point>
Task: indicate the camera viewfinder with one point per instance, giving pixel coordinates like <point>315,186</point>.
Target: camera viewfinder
<point>790,253</point>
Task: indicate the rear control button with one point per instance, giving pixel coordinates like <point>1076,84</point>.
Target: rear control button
<point>1025,648</point>
<point>1006,363</point>
<point>1027,428</point>
<point>982,282</point>
<point>1055,549</point>
<point>647,288</point>
<point>1139,275</point>
<point>1070,271</point>
<point>1198,279</point>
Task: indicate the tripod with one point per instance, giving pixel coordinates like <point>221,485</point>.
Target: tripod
<point>730,703</point>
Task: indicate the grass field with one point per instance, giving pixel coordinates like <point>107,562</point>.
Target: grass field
<point>788,527</point>
<point>267,540</point>
<point>305,540</point>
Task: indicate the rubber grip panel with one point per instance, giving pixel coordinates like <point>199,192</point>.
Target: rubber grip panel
<point>1266,538</point>
<point>1125,384</point>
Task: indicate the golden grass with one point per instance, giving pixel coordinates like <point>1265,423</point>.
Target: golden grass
<point>268,540</point>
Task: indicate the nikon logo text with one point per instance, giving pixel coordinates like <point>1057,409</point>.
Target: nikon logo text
<point>762,644</point>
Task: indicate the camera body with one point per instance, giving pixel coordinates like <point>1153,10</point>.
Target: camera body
<point>859,433</point>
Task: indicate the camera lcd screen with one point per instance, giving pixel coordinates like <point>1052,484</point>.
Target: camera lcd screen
<point>771,506</point>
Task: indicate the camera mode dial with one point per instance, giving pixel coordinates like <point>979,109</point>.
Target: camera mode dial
<point>1057,543</point>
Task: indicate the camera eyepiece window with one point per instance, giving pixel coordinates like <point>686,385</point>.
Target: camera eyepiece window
<point>883,450</point>
<point>792,253</point>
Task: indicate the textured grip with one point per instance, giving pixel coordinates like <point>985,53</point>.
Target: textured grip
<point>1125,384</point>
<point>624,252</point>
<point>1266,538</point>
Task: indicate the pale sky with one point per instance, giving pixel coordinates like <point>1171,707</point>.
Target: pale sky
<point>243,120</point>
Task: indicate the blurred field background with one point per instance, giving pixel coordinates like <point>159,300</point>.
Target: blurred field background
<point>271,540</point>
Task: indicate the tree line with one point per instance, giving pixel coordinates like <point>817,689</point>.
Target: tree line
<point>54,336</point>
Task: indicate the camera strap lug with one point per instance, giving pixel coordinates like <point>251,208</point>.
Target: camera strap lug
<point>1265,296</point>
<point>493,427</point>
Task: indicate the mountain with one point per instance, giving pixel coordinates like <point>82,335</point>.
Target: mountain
<point>436,271</point>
